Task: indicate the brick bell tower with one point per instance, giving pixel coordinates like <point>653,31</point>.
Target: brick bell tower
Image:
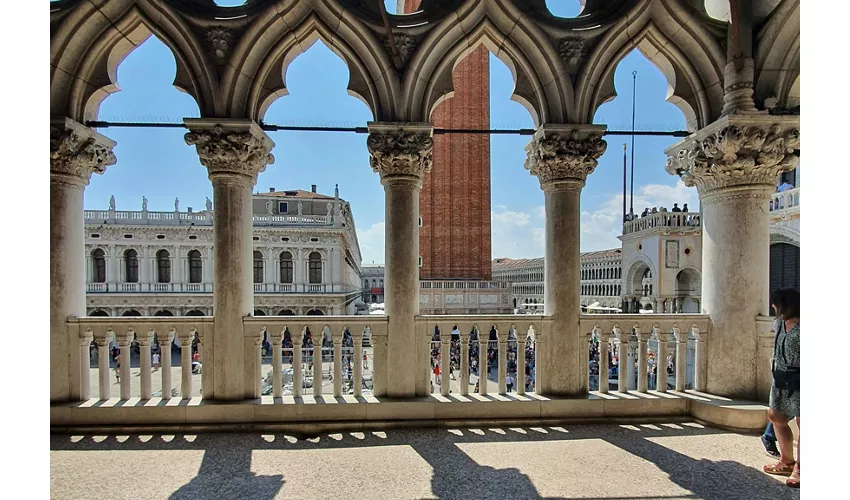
<point>454,240</point>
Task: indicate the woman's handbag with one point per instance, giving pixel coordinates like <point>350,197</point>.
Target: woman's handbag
<point>789,378</point>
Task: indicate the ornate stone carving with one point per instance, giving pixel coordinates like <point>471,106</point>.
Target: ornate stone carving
<point>400,153</point>
<point>220,43</point>
<point>736,155</point>
<point>556,158</point>
<point>405,45</point>
<point>227,151</point>
<point>75,154</point>
<point>572,52</point>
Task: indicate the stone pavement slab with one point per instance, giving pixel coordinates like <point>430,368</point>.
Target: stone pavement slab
<point>653,461</point>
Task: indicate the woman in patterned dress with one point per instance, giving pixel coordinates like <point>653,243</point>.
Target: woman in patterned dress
<point>785,402</point>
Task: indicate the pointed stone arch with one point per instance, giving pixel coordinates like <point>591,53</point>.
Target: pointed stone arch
<point>275,39</point>
<point>777,56</point>
<point>541,85</point>
<point>692,60</point>
<point>89,44</point>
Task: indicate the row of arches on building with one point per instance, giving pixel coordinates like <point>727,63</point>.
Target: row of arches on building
<point>198,312</point>
<point>602,290</point>
<point>196,267</point>
<point>602,273</point>
<point>375,283</point>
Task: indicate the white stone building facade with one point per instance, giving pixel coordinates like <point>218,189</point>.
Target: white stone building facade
<point>305,261</point>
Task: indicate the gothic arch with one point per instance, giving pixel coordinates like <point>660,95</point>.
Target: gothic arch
<point>691,60</point>
<point>262,55</point>
<point>777,54</point>
<point>634,276</point>
<point>541,84</point>
<point>89,44</point>
<point>779,234</point>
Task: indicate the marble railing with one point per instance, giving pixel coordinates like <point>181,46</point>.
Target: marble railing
<point>516,339</point>
<point>197,218</point>
<point>287,335</point>
<point>785,201</point>
<point>634,335</point>
<point>463,285</point>
<point>679,221</point>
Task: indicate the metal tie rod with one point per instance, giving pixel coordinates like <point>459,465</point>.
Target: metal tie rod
<point>364,130</point>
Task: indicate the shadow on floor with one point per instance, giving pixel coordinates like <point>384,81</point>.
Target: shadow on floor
<point>225,471</point>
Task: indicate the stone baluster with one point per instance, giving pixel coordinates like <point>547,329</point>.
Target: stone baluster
<point>277,363</point>
<point>681,357</point>
<point>317,363</point>
<point>661,362</point>
<point>622,355</point>
<point>297,364</point>
<point>464,362</point>
<point>234,153</point>
<point>445,361</point>
<point>603,337</point>
<point>483,371</point>
<point>642,359</point>
<point>699,360</point>
<point>103,339</point>
<point>520,361</point>
<point>85,364</point>
<point>337,340</point>
<point>502,342</point>
<point>76,152</point>
<point>124,339</point>
<point>539,343</point>
<point>561,157</point>
<point>186,364</point>
<point>145,339</point>
<point>735,163</point>
<point>165,339</point>
<point>357,335</point>
<point>401,153</point>
<point>426,335</point>
<point>588,342</point>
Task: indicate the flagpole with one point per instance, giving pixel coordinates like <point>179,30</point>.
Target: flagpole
<point>624,183</point>
<point>634,96</point>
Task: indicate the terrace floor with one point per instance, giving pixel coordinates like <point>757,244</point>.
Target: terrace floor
<point>672,459</point>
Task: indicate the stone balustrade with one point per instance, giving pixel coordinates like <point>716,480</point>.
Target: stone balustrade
<point>786,201</point>
<point>198,218</point>
<point>630,335</point>
<point>463,285</point>
<point>678,221</point>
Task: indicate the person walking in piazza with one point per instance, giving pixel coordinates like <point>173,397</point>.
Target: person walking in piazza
<point>155,361</point>
<point>785,391</point>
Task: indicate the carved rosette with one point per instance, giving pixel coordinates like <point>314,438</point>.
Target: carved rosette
<point>735,156</point>
<point>572,52</point>
<point>401,154</point>
<point>564,159</point>
<point>75,155</point>
<point>405,44</point>
<point>231,152</point>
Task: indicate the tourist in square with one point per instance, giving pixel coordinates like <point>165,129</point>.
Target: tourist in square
<point>785,391</point>
<point>155,361</point>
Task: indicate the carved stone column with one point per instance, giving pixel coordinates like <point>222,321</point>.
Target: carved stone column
<point>234,152</point>
<point>562,156</point>
<point>75,153</point>
<point>735,164</point>
<point>401,154</point>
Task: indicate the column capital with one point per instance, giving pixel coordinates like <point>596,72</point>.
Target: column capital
<point>230,147</point>
<point>562,156</point>
<point>736,152</point>
<point>77,151</point>
<point>401,151</point>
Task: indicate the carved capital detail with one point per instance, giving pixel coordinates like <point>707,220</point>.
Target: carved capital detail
<point>735,153</point>
<point>572,52</point>
<point>225,150</point>
<point>401,153</point>
<point>76,151</point>
<point>563,156</point>
<point>405,45</point>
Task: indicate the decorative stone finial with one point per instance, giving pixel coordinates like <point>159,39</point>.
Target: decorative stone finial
<point>401,152</point>
<point>737,151</point>
<point>225,150</point>
<point>564,157</point>
<point>77,151</point>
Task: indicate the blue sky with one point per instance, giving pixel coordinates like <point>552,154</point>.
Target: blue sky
<point>157,163</point>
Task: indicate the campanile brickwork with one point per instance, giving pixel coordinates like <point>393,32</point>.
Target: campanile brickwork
<point>454,204</point>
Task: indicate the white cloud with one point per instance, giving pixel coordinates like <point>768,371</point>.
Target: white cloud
<point>372,243</point>
<point>514,235</point>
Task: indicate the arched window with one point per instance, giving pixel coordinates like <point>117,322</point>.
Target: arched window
<point>163,266</point>
<point>365,284</point>
<point>258,267</point>
<point>382,284</point>
<point>287,274</point>
<point>131,266</point>
<point>98,270</point>
<point>315,267</point>
<point>196,267</point>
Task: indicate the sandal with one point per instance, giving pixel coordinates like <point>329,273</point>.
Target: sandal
<point>794,480</point>
<point>780,469</point>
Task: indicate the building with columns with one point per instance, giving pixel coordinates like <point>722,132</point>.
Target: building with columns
<point>734,82</point>
<point>305,258</point>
